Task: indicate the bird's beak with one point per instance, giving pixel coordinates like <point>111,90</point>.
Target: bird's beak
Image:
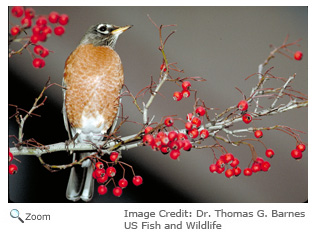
<point>120,30</point>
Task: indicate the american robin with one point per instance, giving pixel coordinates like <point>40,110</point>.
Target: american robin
<point>93,78</point>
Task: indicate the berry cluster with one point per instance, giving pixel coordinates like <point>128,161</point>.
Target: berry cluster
<point>234,170</point>
<point>297,152</point>
<point>194,122</point>
<point>185,93</point>
<point>259,164</point>
<point>40,30</point>
<point>226,159</point>
<point>104,175</point>
<point>243,107</point>
<point>173,141</point>
<point>12,167</point>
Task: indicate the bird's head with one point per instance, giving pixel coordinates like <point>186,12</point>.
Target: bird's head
<point>103,34</point>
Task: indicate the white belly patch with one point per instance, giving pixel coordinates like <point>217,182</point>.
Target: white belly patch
<point>92,128</point>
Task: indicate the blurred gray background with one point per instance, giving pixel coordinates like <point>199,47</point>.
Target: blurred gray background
<point>224,45</point>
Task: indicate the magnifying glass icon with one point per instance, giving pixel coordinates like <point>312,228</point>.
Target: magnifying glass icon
<point>16,214</point>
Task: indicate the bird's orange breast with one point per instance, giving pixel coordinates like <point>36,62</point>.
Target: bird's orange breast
<point>93,78</point>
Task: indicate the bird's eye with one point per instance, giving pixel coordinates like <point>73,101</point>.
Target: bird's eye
<point>102,28</point>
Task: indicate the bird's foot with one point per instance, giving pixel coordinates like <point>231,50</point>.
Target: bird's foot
<point>68,142</point>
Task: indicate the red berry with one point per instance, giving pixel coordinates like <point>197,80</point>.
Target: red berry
<point>259,160</point>
<point>63,19</point>
<point>163,67</point>
<point>164,141</point>
<point>38,63</point>
<point>137,180</point>
<point>93,175</point>
<point>41,21</point>
<point>17,11</point>
<point>301,147</point>
<point>186,85</point>
<point>26,22</point>
<point>193,133</point>
<point>201,111</point>
<point>37,29</point>
<point>181,143</point>
<point>204,133</point>
<point>59,30</point>
<point>188,126</point>
<point>270,153</point>
<point>181,136</point>
<point>117,191</point>
<point>296,154</point>
<point>237,171</point>
<point>160,135</point>
<point>15,30</point>
<point>42,37</point>
<point>235,162</point>
<point>113,156</point>
<point>229,173</point>
<point>34,38</point>
<point>169,121</point>
<point>148,129</point>
<point>213,168</point>
<point>29,13</point>
<point>148,139</point>
<point>187,145</point>
<point>222,157</point>
<point>242,105</point>
<point>47,30</point>
<point>265,166</point>
<point>174,145</point>
<point>165,149</point>
<point>102,180</point>
<point>258,133</point>
<point>102,189</point>
<point>256,167</point>
<point>111,171</point>
<point>247,118</point>
<point>247,172</point>
<point>220,169</point>
<point>53,17</point>
<point>123,183</point>
<point>99,165</point>
<point>186,93</point>
<point>12,169</point>
<point>172,136</point>
<point>174,154</point>
<point>229,157</point>
<point>196,122</point>
<point>298,55</point>
<point>220,163</point>
<point>177,96</point>
<point>44,53</point>
<point>99,173</point>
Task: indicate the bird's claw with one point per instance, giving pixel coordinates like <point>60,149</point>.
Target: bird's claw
<point>68,142</point>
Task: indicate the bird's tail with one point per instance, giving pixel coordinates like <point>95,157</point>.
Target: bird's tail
<point>81,182</point>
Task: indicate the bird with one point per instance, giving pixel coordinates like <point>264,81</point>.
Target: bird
<point>92,80</point>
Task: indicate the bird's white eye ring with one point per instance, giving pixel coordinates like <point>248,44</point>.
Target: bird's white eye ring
<point>102,29</point>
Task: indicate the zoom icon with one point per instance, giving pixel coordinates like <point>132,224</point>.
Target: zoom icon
<point>14,213</point>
